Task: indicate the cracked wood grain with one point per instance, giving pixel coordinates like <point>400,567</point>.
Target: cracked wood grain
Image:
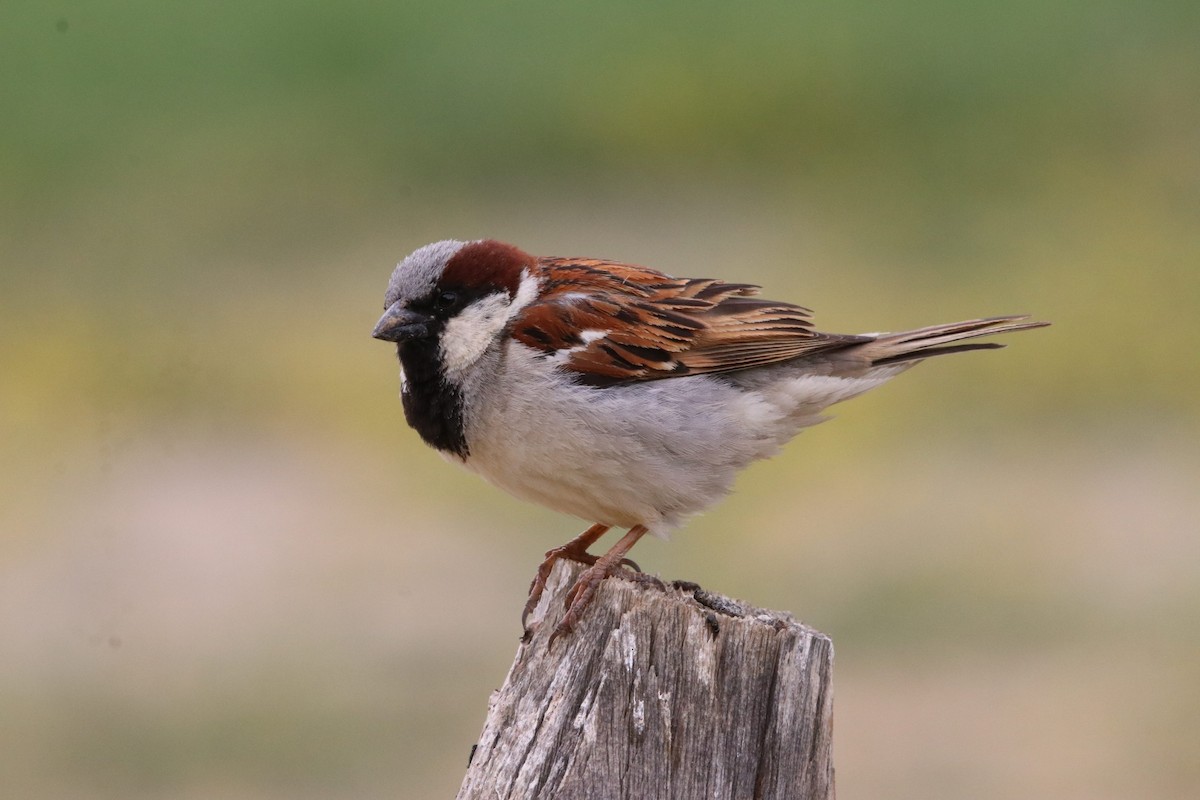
<point>659,694</point>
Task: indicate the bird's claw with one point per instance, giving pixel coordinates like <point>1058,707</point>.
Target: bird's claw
<point>598,568</point>
<point>538,585</point>
<point>580,596</point>
<point>583,592</point>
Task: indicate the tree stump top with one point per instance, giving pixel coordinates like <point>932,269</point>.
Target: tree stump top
<point>659,694</point>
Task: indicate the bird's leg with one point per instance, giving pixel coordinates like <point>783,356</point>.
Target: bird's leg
<point>576,550</point>
<point>585,585</point>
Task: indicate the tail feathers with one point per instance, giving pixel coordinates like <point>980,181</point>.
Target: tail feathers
<point>936,340</point>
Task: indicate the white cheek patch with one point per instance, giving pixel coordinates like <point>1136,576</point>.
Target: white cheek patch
<point>468,334</point>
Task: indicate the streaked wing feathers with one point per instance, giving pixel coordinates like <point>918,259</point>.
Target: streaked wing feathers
<point>614,323</point>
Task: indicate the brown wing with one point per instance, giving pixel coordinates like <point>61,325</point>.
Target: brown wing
<point>613,323</point>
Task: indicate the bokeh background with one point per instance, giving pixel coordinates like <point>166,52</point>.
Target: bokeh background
<point>227,569</point>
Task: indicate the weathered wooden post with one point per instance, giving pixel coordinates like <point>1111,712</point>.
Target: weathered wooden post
<point>675,694</point>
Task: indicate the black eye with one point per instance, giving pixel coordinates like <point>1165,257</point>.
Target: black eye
<point>446,300</point>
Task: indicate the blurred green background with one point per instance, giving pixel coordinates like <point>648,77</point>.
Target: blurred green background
<point>227,569</point>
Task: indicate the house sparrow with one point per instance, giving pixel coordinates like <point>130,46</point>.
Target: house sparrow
<point>617,393</point>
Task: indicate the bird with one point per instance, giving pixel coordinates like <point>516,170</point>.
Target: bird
<point>616,393</point>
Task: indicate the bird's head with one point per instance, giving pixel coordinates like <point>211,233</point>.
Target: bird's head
<point>456,298</point>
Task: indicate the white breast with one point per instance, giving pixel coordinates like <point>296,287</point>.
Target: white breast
<point>650,453</point>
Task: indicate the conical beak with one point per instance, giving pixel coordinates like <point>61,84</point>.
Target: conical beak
<point>399,324</point>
